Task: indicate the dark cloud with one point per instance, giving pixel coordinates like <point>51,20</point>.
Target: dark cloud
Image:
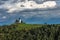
<point>4,0</point>
<point>50,0</point>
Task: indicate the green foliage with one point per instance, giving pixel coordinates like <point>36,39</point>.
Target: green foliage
<point>30,32</point>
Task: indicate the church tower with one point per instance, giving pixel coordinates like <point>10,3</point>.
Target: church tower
<point>20,21</point>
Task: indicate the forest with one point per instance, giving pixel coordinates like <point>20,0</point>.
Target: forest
<point>30,32</point>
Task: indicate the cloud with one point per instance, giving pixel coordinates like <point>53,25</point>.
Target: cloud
<point>20,6</point>
<point>0,14</point>
<point>4,17</point>
<point>29,9</point>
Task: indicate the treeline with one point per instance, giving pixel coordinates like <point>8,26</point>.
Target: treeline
<point>46,32</point>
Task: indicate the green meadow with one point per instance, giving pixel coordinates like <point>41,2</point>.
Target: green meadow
<point>23,31</point>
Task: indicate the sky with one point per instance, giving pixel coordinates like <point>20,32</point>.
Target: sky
<point>30,11</point>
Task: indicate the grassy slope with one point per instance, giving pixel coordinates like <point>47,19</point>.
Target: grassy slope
<point>27,26</point>
<point>30,32</point>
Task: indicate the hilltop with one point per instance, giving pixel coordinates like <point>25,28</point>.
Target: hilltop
<point>23,31</point>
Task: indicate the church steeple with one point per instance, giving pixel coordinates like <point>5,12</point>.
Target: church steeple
<point>20,20</point>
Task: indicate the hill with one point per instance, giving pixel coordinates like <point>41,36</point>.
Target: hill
<point>30,32</point>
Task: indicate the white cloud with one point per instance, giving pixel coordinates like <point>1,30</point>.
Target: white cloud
<point>4,17</point>
<point>0,14</point>
<point>27,5</point>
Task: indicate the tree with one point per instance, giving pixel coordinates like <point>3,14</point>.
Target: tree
<point>17,21</point>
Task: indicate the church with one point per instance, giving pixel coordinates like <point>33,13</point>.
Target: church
<point>18,21</point>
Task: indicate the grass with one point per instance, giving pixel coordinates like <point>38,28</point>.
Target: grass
<point>27,26</point>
